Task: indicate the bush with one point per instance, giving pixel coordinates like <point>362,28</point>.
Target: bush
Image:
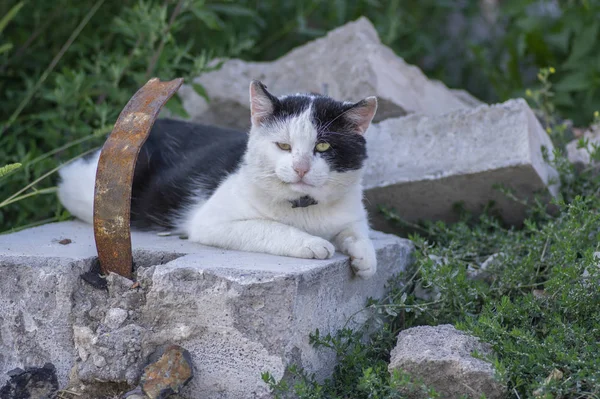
<point>536,303</point>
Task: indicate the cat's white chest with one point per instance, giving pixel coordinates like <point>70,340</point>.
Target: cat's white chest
<point>319,220</point>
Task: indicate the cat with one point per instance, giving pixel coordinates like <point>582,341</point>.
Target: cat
<point>291,186</point>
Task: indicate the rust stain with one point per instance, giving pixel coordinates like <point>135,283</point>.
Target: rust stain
<point>169,374</point>
<point>112,196</point>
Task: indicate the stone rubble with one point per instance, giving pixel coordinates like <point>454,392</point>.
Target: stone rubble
<point>350,63</point>
<point>238,314</point>
<point>442,358</point>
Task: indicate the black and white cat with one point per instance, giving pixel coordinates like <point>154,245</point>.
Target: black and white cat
<point>291,187</point>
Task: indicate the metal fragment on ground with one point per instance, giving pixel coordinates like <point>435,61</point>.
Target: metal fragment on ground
<point>114,178</point>
<point>169,374</point>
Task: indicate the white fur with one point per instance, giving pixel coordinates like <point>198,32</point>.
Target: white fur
<point>76,188</point>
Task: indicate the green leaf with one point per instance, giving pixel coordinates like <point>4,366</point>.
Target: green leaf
<point>574,82</point>
<point>236,11</point>
<point>210,19</point>
<point>5,47</point>
<point>176,107</point>
<point>560,40</point>
<point>564,99</point>
<point>201,91</point>
<point>10,15</point>
<point>582,44</point>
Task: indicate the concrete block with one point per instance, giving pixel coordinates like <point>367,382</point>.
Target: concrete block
<point>237,313</point>
<point>442,357</point>
<point>350,63</point>
<point>422,165</point>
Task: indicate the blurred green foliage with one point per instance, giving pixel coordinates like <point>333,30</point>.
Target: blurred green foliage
<point>68,67</point>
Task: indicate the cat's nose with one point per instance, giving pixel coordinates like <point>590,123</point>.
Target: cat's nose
<point>301,170</point>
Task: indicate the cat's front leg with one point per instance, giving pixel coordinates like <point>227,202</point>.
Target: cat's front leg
<point>267,236</point>
<point>354,241</point>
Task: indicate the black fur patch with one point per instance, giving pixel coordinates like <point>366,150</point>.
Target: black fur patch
<point>177,157</point>
<point>348,149</point>
<point>288,107</point>
<point>303,202</point>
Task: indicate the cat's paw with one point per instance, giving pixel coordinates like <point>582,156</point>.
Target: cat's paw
<point>317,248</point>
<point>362,257</point>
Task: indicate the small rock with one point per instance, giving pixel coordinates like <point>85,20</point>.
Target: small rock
<point>482,273</point>
<point>99,361</point>
<point>580,157</point>
<point>169,374</point>
<point>31,383</point>
<point>442,358</point>
<point>117,284</point>
<point>65,241</point>
<point>115,317</point>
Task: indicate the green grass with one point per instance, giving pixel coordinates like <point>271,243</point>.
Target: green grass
<point>538,305</point>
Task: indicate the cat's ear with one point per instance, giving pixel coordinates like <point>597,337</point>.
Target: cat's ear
<point>361,114</point>
<point>262,103</point>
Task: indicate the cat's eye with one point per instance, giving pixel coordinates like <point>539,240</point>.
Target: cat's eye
<point>322,147</point>
<point>284,146</point>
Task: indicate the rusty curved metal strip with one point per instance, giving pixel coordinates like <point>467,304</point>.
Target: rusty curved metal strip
<point>114,177</point>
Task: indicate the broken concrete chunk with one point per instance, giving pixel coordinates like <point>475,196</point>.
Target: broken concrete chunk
<point>115,317</point>
<point>36,299</point>
<point>350,63</point>
<point>238,314</point>
<point>423,165</point>
<point>442,357</point>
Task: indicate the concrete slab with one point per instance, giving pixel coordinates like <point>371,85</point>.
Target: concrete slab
<point>349,63</point>
<point>423,165</point>
<point>239,314</point>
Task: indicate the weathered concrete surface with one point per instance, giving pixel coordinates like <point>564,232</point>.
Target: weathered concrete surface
<point>423,165</point>
<point>238,314</point>
<point>350,63</point>
<point>442,358</point>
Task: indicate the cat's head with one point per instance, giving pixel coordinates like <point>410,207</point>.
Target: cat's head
<point>307,144</point>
